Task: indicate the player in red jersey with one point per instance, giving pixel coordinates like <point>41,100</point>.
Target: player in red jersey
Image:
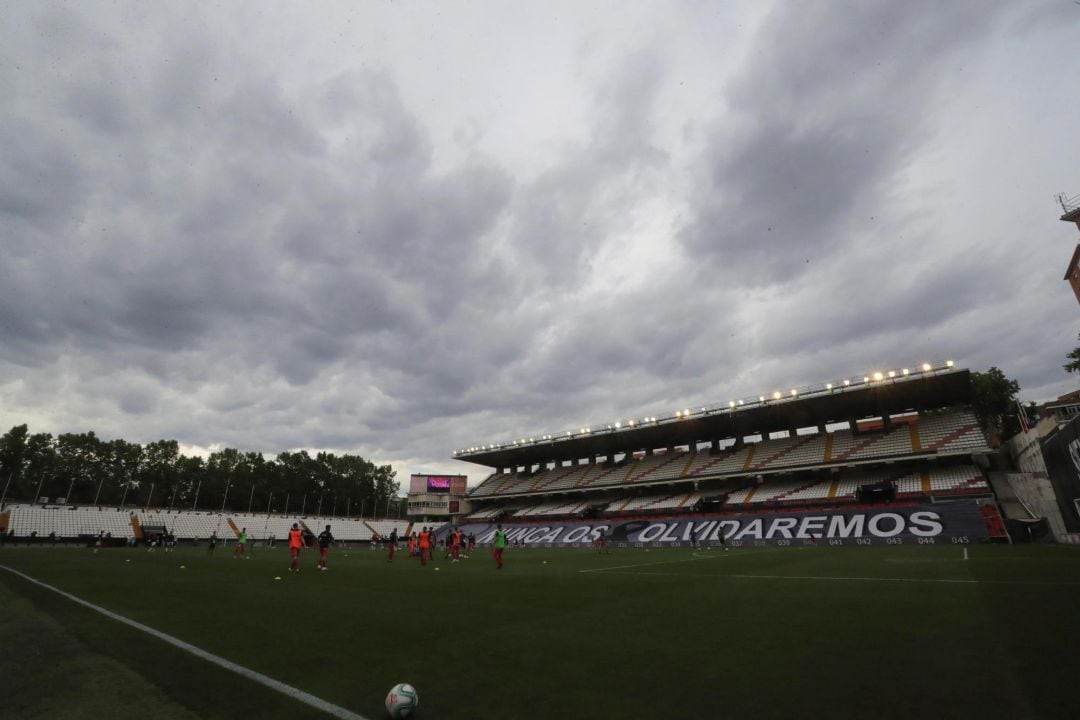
<point>601,544</point>
<point>455,545</point>
<point>296,543</point>
<point>425,545</point>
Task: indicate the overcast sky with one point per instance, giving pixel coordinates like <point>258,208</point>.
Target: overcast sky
<point>402,228</point>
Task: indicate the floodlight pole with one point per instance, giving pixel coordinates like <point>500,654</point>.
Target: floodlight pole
<point>70,488</point>
<point>96,495</point>
<point>148,497</point>
<point>251,498</point>
<point>3,495</point>
<point>286,510</point>
<point>266,523</point>
<point>228,484</point>
<point>362,500</point>
<point>195,502</point>
<point>347,502</point>
<point>37,493</point>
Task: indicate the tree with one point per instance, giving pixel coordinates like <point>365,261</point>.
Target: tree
<point>1074,359</point>
<point>993,398</point>
<point>12,459</point>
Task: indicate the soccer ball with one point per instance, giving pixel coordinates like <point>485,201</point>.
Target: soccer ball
<point>401,701</point>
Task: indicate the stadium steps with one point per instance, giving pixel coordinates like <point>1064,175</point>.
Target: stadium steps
<point>748,463</point>
<point>653,470</point>
<point>541,479</point>
<point>704,469</point>
<point>689,462</point>
<point>995,525</point>
<point>5,518</point>
<point>951,437</point>
<point>858,447</point>
<point>926,482</point>
<point>776,456</point>
<point>687,499</point>
<point>828,447</point>
<point>136,527</point>
<point>591,477</point>
<point>750,495</point>
<point>781,497</point>
<point>833,487</point>
<point>504,483</point>
<point>375,534</point>
<point>585,476</point>
<point>555,475</point>
<point>629,473</point>
<point>236,530</point>
<point>916,441</point>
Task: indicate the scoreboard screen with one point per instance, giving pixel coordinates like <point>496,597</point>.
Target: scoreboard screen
<point>452,484</point>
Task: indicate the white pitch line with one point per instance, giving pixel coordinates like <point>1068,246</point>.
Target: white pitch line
<point>835,578</point>
<point>636,565</point>
<point>265,680</point>
<point>696,556</point>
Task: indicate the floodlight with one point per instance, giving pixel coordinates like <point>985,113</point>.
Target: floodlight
<point>866,378</point>
<point>731,404</point>
<point>906,371</point>
<point>949,363</point>
<point>878,376</point>
<point>794,392</point>
<point>761,398</point>
<point>926,367</point>
<point>828,386</point>
<point>618,425</point>
<point>686,413</point>
<point>631,423</point>
<point>847,383</point>
<point>776,395</point>
<point>740,402</point>
<point>892,373</point>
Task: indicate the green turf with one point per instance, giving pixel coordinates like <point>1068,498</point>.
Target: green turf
<point>745,633</point>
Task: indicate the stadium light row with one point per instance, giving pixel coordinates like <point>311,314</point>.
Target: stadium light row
<point>873,378</point>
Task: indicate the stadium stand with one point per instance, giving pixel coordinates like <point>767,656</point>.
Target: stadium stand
<point>186,525</point>
<point>69,522</point>
<point>954,432</point>
<point>75,522</point>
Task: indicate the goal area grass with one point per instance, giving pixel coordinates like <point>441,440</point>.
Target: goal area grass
<point>763,632</point>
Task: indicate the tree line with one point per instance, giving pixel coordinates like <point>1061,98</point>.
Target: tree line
<point>84,469</point>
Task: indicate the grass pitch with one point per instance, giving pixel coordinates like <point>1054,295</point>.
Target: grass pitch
<point>849,632</point>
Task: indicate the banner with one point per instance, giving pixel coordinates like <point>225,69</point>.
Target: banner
<point>959,522</point>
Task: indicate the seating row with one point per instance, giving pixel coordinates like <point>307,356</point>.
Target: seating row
<point>954,432</point>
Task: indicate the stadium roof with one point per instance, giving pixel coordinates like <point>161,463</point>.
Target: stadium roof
<point>882,393</point>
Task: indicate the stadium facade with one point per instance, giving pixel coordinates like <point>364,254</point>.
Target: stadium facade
<point>891,457</point>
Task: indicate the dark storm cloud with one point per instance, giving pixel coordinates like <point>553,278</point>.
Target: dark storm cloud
<point>200,237</point>
<point>567,213</point>
<point>829,103</point>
